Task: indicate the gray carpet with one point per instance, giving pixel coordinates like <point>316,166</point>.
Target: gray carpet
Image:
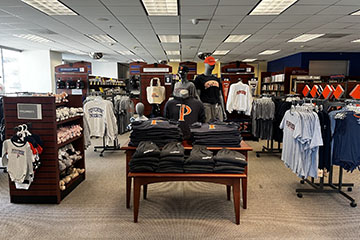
<point>192,210</point>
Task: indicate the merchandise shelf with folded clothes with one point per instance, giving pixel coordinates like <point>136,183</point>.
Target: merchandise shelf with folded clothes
<point>45,187</point>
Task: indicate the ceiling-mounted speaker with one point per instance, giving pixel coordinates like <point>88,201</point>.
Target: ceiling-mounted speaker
<point>202,55</point>
<point>163,62</point>
<point>96,55</point>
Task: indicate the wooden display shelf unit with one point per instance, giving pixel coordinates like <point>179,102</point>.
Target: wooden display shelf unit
<point>45,187</point>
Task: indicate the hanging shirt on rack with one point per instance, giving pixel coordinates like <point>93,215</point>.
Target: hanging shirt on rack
<point>263,113</point>
<point>101,119</point>
<point>239,98</point>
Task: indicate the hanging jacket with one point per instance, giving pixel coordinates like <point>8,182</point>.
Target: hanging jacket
<point>239,98</point>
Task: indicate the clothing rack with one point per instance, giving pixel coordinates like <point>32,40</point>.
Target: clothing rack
<point>334,187</point>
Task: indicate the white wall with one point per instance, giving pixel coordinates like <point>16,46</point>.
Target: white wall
<point>55,60</point>
<point>104,69</point>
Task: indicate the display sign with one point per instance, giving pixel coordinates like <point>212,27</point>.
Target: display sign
<point>76,91</point>
<point>71,69</point>
<point>168,79</point>
<point>165,70</point>
<point>29,111</point>
<point>234,70</point>
<point>355,93</point>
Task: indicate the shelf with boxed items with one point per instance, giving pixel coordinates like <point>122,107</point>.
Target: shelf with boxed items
<point>45,187</point>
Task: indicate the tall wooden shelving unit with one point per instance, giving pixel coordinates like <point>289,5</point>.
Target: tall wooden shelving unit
<point>45,187</point>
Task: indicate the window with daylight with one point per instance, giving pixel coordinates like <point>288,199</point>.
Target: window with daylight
<point>10,70</point>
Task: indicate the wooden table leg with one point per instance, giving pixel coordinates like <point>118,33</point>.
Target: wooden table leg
<point>244,192</point>
<point>128,179</point>
<point>145,190</point>
<point>136,196</point>
<point>228,189</point>
<point>236,196</point>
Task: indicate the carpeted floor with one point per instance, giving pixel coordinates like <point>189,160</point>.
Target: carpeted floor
<point>185,210</point>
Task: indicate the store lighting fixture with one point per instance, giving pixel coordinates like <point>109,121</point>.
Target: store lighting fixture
<point>77,52</point>
<point>356,13</point>
<point>169,38</point>
<point>50,7</point>
<point>175,60</point>
<point>356,41</point>
<point>306,37</point>
<point>34,38</point>
<point>101,38</point>
<point>161,7</point>
<point>221,52</point>
<point>137,60</point>
<point>126,52</point>
<point>249,60</point>
<point>236,38</point>
<point>269,52</point>
<point>272,7</point>
<point>172,52</point>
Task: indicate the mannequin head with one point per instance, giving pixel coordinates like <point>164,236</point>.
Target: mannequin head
<point>183,72</point>
<point>140,109</point>
<point>209,65</point>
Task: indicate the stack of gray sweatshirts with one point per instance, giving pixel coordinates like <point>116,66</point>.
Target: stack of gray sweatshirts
<point>172,158</point>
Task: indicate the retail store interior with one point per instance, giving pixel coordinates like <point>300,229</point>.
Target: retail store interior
<point>179,119</point>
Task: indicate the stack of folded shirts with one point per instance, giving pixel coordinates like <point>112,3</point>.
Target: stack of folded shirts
<point>200,160</point>
<point>158,130</point>
<point>145,158</point>
<point>216,134</point>
<point>172,158</point>
<point>227,161</point>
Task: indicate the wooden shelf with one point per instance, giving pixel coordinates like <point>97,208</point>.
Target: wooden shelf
<point>69,141</point>
<point>72,185</point>
<point>69,120</point>
<point>61,104</point>
<point>67,168</point>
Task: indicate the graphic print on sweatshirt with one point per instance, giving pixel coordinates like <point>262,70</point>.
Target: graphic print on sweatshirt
<point>18,152</point>
<point>211,83</point>
<point>96,112</point>
<point>184,111</point>
<point>241,92</point>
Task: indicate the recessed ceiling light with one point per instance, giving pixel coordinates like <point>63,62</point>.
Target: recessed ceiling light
<point>101,38</point>
<point>356,13</point>
<point>137,60</point>
<point>50,7</point>
<point>169,38</point>
<point>129,53</point>
<point>221,52</point>
<point>356,41</point>
<point>269,52</point>
<point>272,7</point>
<point>34,38</point>
<point>175,60</point>
<point>236,38</point>
<point>172,52</point>
<point>249,60</point>
<point>77,52</point>
<point>305,37</point>
<point>161,7</point>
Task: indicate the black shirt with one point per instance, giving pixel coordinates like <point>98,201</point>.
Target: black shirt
<point>186,111</point>
<point>210,88</point>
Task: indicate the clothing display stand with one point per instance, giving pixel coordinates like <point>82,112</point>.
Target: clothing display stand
<point>269,149</point>
<point>334,187</point>
<point>104,147</point>
<point>45,187</point>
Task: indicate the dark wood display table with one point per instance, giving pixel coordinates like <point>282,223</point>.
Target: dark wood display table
<point>230,180</point>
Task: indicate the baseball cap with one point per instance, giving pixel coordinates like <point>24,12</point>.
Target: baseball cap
<point>210,60</point>
<point>183,69</point>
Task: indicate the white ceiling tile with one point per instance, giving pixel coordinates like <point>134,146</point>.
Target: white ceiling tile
<point>91,11</point>
<point>197,10</point>
<point>132,19</point>
<point>239,2</point>
<point>348,2</point>
<point>121,3</point>
<point>198,2</point>
<point>349,19</point>
<point>128,11</point>
<point>304,9</point>
<point>87,3</point>
<point>291,18</point>
<point>316,2</point>
<point>339,10</point>
<point>233,10</point>
<point>258,19</point>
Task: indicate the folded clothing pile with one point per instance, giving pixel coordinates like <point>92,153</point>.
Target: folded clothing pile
<point>172,158</point>
<point>200,160</point>
<point>158,130</point>
<point>228,161</point>
<point>145,158</point>
<point>216,134</point>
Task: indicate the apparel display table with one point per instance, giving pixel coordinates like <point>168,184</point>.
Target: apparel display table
<point>230,180</point>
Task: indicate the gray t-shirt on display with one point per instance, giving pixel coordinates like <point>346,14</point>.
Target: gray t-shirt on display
<point>185,85</point>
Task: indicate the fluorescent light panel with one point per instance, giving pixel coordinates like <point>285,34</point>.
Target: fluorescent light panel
<point>175,60</point>
<point>269,52</point>
<point>356,13</point>
<point>356,41</point>
<point>34,38</point>
<point>77,52</point>
<point>161,7</point>
<point>126,52</point>
<point>236,38</point>
<point>169,38</point>
<point>249,60</point>
<point>221,52</point>
<point>137,60</point>
<point>50,7</point>
<point>306,37</point>
<point>272,7</point>
<point>172,52</point>
<point>101,38</point>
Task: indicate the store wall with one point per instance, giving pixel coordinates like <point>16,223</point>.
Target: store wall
<point>36,74</point>
<point>105,69</point>
<point>303,59</point>
<point>55,60</point>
